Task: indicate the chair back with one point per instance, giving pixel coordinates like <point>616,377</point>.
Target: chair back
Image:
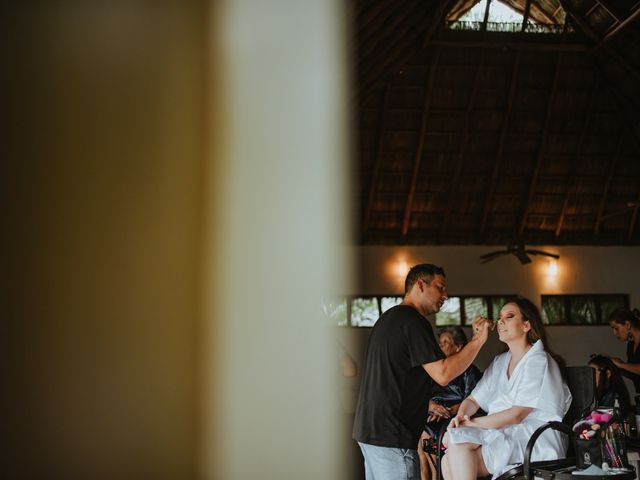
<point>582,385</point>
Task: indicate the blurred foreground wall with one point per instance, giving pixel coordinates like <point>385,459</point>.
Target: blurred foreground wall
<point>171,174</point>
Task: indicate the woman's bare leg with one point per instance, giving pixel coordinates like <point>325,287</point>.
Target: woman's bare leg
<point>422,456</point>
<point>431,461</point>
<point>444,466</point>
<point>464,461</point>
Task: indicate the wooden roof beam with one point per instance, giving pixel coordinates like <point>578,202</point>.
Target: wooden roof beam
<point>421,140</point>
<point>373,12</point>
<point>627,123</point>
<point>486,16</point>
<point>607,185</point>
<point>395,55</point>
<point>599,43</point>
<point>501,143</point>
<point>525,16</point>
<point>541,150</point>
<point>437,20</point>
<point>543,47</point>
<point>373,183</point>
<point>633,221</point>
<point>377,42</point>
<point>607,8</point>
<point>455,179</point>
<point>578,157</point>
<point>630,19</point>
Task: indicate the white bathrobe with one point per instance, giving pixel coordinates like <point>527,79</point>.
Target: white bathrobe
<point>536,383</point>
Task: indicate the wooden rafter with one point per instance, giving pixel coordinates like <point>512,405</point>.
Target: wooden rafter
<point>373,184</point>
<point>503,137</point>
<point>577,158</point>
<point>586,28</point>
<point>373,13</point>
<point>421,141</point>
<point>627,123</point>
<point>437,20</point>
<point>377,40</point>
<point>633,221</point>
<point>486,16</point>
<point>455,179</point>
<point>525,16</point>
<point>536,47</point>
<point>607,185</point>
<point>607,8</point>
<point>542,148</point>
<point>621,26</point>
<point>393,55</point>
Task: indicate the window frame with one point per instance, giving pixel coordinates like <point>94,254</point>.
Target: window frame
<point>596,297</point>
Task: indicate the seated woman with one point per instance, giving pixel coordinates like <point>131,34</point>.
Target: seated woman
<point>609,385</point>
<point>446,400</point>
<point>521,390</point>
<point>625,325</point>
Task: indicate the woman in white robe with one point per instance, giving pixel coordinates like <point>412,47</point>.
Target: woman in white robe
<point>521,390</point>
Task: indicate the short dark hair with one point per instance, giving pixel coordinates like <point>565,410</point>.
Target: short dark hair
<point>624,315</point>
<point>458,335</point>
<point>423,271</point>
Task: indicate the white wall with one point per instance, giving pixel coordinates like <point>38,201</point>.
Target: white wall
<point>580,270</point>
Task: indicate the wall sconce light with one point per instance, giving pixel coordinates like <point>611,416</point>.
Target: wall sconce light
<point>552,269</point>
<point>402,268</point>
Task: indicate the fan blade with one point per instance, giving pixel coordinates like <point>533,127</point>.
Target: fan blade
<point>541,252</point>
<point>492,255</point>
<point>522,256</point>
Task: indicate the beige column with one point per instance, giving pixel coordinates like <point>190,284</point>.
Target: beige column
<point>277,225</point>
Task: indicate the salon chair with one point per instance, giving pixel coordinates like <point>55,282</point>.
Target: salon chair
<point>581,383</point>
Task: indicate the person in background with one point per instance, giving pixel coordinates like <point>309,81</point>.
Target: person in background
<point>610,385</point>
<point>401,366</point>
<point>521,390</point>
<point>625,325</point>
<point>446,400</point>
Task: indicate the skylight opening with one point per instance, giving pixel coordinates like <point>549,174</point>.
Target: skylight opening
<point>503,18</point>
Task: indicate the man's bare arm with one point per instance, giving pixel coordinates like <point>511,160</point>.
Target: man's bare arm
<point>445,370</point>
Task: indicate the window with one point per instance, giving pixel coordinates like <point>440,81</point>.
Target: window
<point>590,309</point>
<point>364,310</point>
<point>462,310</point>
<point>503,18</point>
<point>336,311</point>
<point>387,302</point>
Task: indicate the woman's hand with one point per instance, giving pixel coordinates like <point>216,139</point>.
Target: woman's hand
<point>617,361</point>
<point>460,421</point>
<point>437,412</point>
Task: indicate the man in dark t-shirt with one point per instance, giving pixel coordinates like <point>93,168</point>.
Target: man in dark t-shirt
<point>402,362</point>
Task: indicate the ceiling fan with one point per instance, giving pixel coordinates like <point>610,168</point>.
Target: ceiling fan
<point>519,250</point>
<point>630,206</point>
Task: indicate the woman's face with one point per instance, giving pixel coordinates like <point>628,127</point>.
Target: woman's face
<point>599,371</point>
<point>511,326</point>
<point>447,344</point>
<point>620,330</point>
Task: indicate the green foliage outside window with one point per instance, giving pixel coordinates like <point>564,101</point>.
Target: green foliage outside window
<point>583,309</point>
<point>364,311</point>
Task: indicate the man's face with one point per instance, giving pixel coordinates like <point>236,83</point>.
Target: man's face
<point>434,294</point>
